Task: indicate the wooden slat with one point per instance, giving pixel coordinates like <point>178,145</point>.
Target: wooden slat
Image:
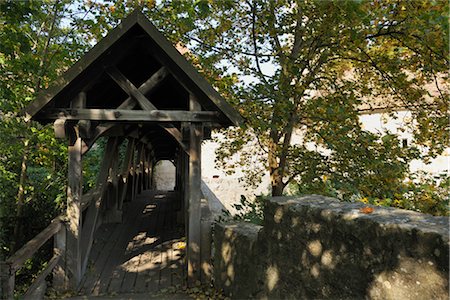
<point>92,214</point>
<point>106,239</point>
<point>121,115</point>
<point>41,277</point>
<point>126,171</point>
<point>33,245</point>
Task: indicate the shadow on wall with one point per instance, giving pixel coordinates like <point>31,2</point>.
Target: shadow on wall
<point>317,247</point>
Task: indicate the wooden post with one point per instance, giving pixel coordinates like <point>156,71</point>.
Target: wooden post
<point>60,279</point>
<point>112,214</point>
<point>137,171</point>
<point>7,281</point>
<point>150,173</point>
<point>142,168</point>
<point>194,196</point>
<point>74,193</point>
<point>125,173</point>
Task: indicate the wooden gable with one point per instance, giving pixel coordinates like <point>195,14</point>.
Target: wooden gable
<point>136,78</point>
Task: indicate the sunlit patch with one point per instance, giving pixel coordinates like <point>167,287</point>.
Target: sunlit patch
<point>230,271</point>
<point>226,252</point>
<point>315,271</point>
<point>328,259</point>
<point>272,277</point>
<point>278,215</point>
<point>315,248</point>
<point>149,208</point>
<point>408,280</point>
<point>179,245</point>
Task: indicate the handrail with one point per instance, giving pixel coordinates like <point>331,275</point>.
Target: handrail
<point>215,204</point>
<point>16,261</point>
<point>29,294</point>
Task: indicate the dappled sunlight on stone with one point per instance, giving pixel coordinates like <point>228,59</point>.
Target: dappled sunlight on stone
<point>315,270</point>
<point>328,260</point>
<point>315,248</point>
<point>408,280</point>
<point>278,215</point>
<point>230,272</point>
<point>272,277</point>
<point>226,252</point>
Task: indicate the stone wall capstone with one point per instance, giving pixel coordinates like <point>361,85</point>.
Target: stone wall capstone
<point>318,247</point>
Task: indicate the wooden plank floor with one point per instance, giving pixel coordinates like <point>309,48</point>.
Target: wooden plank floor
<point>140,255</point>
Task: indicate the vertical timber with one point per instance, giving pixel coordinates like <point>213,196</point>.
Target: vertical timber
<point>74,193</point>
<point>194,198</point>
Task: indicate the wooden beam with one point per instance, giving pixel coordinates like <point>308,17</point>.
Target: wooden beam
<point>194,196</point>
<point>29,249</point>
<point>144,103</point>
<point>129,88</point>
<point>59,126</point>
<point>147,87</point>
<point>60,279</point>
<point>126,171</point>
<point>130,116</point>
<point>7,281</point>
<point>33,292</point>
<point>74,193</point>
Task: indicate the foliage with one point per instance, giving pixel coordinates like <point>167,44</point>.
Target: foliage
<point>307,67</point>
<point>312,67</point>
<point>38,41</point>
<point>250,210</point>
<point>421,192</point>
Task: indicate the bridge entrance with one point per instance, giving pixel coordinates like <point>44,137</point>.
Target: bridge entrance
<point>133,87</point>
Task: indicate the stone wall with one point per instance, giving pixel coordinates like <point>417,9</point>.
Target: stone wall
<point>317,247</point>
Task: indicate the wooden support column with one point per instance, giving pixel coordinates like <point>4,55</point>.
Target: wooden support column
<point>7,280</point>
<point>112,214</point>
<point>126,172</point>
<point>60,279</point>
<point>178,185</point>
<point>138,168</point>
<point>74,193</point>
<point>150,172</point>
<point>194,209</point>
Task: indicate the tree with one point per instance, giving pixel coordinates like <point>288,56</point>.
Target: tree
<point>328,58</point>
<point>312,67</point>
<point>38,41</point>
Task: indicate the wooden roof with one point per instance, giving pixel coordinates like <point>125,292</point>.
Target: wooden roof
<point>138,50</point>
<point>134,83</point>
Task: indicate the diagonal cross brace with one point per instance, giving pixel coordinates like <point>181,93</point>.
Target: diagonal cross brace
<point>143,101</point>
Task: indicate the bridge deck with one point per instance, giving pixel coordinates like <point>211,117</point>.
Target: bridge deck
<point>141,255</point>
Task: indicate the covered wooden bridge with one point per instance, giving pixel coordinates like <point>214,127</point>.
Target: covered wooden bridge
<point>138,91</point>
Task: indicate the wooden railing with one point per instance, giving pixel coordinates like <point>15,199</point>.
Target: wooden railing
<point>9,267</point>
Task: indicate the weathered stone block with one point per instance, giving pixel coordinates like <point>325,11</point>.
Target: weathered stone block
<point>235,258</point>
<point>317,247</point>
